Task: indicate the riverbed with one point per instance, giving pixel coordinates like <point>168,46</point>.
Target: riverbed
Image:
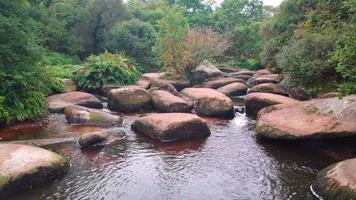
<point>230,164</point>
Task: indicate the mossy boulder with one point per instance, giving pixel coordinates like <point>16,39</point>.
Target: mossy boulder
<point>57,102</point>
<point>204,71</point>
<point>338,181</point>
<point>255,102</point>
<point>86,116</point>
<point>22,167</point>
<point>169,127</point>
<point>129,99</point>
<point>209,102</point>
<point>233,89</point>
<point>101,138</point>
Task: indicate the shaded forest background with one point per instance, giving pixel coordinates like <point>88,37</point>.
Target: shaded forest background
<point>102,42</point>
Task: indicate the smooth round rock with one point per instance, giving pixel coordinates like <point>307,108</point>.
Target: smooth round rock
<point>204,71</point>
<point>269,78</point>
<point>167,102</point>
<point>233,89</point>
<point>255,102</point>
<point>129,99</point>
<point>319,118</point>
<point>169,127</point>
<point>22,167</point>
<point>338,181</point>
<point>269,88</point>
<point>220,82</point>
<point>57,102</point>
<point>101,137</point>
<point>209,102</point>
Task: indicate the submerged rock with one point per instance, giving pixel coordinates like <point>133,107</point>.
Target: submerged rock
<point>233,89</point>
<point>169,127</point>
<point>86,116</point>
<point>209,102</point>
<point>129,99</point>
<point>269,88</point>
<point>338,181</point>
<point>22,167</point>
<point>255,102</point>
<point>204,71</point>
<point>220,82</point>
<point>321,118</point>
<point>167,102</point>
<point>101,137</point>
<point>57,102</point>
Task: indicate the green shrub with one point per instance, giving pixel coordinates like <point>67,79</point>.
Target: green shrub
<point>107,69</point>
<point>54,58</point>
<point>136,38</point>
<point>251,63</point>
<point>305,62</point>
<point>63,71</point>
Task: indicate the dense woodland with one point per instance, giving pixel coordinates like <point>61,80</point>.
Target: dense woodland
<point>103,42</point>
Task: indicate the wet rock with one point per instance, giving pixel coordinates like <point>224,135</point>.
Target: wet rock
<point>86,116</point>
<point>269,88</point>
<point>158,84</point>
<point>204,71</point>
<point>169,127</point>
<point>233,89</point>
<point>255,102</point>
<point>22,167</point>
<point>129,99</point>
<point>101,138</point>
<point>269,78</point>
<point>69,85</point>
<point>338,181</point>
<point>167,102</point>
<point>320,118</point>
<point>57,102</point>
<point>220,82</point>
<point>209,102</point>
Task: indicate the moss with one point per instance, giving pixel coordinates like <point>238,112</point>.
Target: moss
<point>96,117</point>
<point>4,180</point>
<point>312,110</point>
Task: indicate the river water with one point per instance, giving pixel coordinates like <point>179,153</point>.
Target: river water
<point>230,164</point>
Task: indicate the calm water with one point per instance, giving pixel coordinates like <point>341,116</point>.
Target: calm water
<point>230,164</point>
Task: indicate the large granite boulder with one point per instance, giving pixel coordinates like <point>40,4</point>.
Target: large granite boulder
<point>169,127</point>
<point>22,167</point>
<point>209,102</point>
<point>86,116</point>
<point>269,78</point>
<point>204,71</point>
<point>269,88</point>
<point>179,84</point>
<point>245,72</point>
<point>159,84</point>
<point>220,82</point>
<point>255,102</point>
<point>144,83</point>
<point>320,118</point>
<point>167,102</point>
<point>262,72</point>
<point>233,89</point>
<point>57,102</point>
<point>101,138</point>
<point>338,181</point>
<point>129,99</point>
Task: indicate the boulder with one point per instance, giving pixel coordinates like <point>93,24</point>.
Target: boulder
<point>169,127</point>
<point>167,102</point>
<point>269,88</point>
<point>204,71</point>
<point>209,102</point>
<point>129,99</point>
<point>233,89</point>
<point>22,167</point>
<point>229,69</point>
<point>144,83</point>
<point>319,118</point>
<point>327,95</point>
<point>104,90</point>
<point>245,72</point>
<point>338,181</point>
<point>220,82</point>
<point>150,76</point>
<point>241,77</point>
<point>269,78</point>
<point>69,85</point>
<point>180,84</point>
<point>255,102</point>
<point>101,138</point>
<point>86,116</point>
<point>159,84</point>
<point>262,72</point>
<point>57,102</point>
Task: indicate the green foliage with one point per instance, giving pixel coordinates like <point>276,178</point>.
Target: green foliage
<point>54,58</point>
<point>251,63</point>
<point>62,71</point>
<point>137,39</point>
<point>107,69</point>
<point>306,63</point>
